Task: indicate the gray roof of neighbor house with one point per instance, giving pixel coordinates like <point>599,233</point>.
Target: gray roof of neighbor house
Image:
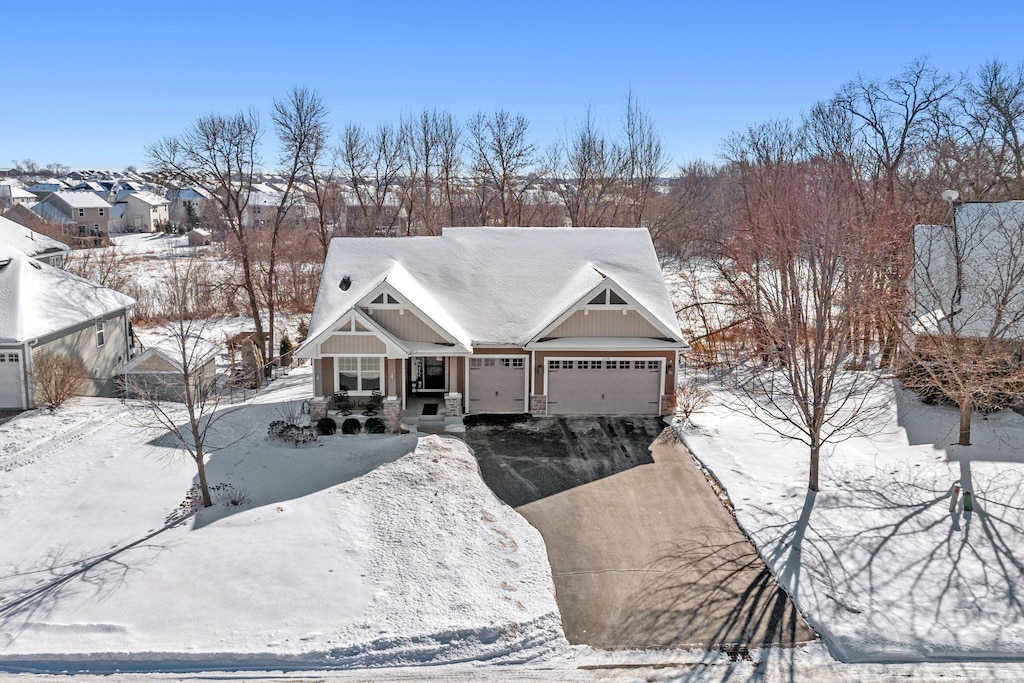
<point>495,285</point>
<point>37,299</point>
<point>27,240</point>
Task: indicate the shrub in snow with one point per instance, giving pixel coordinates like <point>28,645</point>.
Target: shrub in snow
<point>57,377</point>
<point>229,496</point>
<point>327,425</point>
<point>375,425</point>
<point>690,399</point>
<point>350,426</point>
<point>292,434</point>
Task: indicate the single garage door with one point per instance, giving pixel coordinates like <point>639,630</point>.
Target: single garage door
<point>497,385</point>
<point>11,375</point>
<point>604,387</point>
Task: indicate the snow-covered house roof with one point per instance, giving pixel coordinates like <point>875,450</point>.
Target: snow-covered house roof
<point>197,351</point>
<point>37,299</point>
<point>496,285</point>
<point>28,241</point>
<point>80,200</point>
<point>50,213</point>
<point>147,198</point>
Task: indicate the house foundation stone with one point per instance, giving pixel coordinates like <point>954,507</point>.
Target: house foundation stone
<point>392,409</point>
<point>668,405</point>
<point>317,409</point>
<point>453,404</point>
<point>538,405</point>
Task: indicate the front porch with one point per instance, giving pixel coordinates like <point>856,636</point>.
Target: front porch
<point>430,414</point>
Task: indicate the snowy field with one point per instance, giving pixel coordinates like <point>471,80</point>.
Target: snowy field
<point>876,561</point>
<point>364,551</point>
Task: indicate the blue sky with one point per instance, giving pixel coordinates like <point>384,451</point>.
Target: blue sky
<point>90,85</point>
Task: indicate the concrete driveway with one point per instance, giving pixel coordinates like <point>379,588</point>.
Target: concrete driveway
<point>642,552</point>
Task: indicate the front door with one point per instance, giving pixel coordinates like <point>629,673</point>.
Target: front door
<point>433,373</point>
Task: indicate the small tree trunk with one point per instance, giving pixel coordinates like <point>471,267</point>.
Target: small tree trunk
<point>965,424</point>
<point>203,486</point>
<point>812,482</point>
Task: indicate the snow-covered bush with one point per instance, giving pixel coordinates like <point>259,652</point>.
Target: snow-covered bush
<point>375,425</point>
<point>292,434</point>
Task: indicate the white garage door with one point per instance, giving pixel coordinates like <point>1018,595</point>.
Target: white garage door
<point>12,393</point>
<point>604,387</point>
<point>497,385</point>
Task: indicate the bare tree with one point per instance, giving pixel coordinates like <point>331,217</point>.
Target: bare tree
<point>371,163</point>
<point>300,123</point>
<point>645,162</point>
<point>587,170</point>
<point>504,163</point>
<point>221,155</point>
<point>797,269</point>
<point>194,418</point>
<point>967,319</point>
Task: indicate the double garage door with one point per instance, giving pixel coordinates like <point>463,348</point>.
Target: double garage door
<point>12,392</point>
<point>585,386</point>
<point>497,384</point>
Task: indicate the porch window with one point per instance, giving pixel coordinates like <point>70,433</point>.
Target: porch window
<point>359,373</point>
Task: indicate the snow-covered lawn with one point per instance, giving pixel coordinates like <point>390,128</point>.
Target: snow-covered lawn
<point>362,551</point>
<point>876,560</point>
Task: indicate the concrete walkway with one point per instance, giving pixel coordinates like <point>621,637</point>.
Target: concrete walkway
<point>648,557</point>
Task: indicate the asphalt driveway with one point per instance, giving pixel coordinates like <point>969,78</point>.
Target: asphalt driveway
<point>642,552</point>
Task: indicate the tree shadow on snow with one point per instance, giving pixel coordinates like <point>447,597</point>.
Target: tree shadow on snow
<point>900,543</point>
<point>32,590</point>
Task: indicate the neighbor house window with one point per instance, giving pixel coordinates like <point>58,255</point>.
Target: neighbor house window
<point>81,212</point>
<point>99,333</point>
<point>359,373</point>
<point>101,212</point>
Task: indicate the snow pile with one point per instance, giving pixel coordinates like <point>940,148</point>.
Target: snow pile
<point>876,561</point>
<point>365,551</point>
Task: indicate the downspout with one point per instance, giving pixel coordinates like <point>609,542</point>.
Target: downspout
<point>27,375</point>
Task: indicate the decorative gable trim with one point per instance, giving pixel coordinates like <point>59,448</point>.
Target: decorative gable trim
<point>607,295</point>
<point>353,323</point>
<point>390,298</point>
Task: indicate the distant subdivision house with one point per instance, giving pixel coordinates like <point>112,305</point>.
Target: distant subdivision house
<point>87,215</point>
<point>43,308</point>
<point>559,321</point>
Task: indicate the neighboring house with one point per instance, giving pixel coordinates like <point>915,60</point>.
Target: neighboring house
<point>184,200</point>
<point>96,188</point>
<point>15,195</point>
<point>557,321</point>
<point>158,372</point>
<point>88,213</point>
<point>32,243</point>
<point>144,211</point>
<point>969,276</point>
<point>46,308</point>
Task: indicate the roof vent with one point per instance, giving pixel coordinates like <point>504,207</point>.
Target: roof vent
<point>345,283</point>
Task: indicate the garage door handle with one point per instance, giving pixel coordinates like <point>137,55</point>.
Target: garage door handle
<point>602,397</point>
<point>495,393</point>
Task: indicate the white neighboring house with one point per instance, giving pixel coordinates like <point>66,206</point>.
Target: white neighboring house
<point>182,200</point>
<point>144,211</point>
<point>32,243</point>
<point>46,308</point>
<point>984,249</point>
<point>14,195</point>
